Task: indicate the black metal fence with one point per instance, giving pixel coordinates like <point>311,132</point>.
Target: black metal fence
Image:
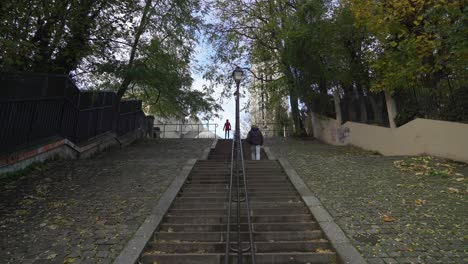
<point>38,106</point>
<point>270,130</point>
<point>368,109</point>
<point>324,104</point>
<point>445,100</point>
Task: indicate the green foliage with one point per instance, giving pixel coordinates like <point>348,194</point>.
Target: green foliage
<point>417,41</point>
<point>353,48</point>
<point>142,45</point>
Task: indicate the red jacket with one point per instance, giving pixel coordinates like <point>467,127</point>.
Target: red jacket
<point>227,126</point>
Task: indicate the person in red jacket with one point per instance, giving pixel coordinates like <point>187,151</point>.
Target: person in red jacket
<point>227,128</point>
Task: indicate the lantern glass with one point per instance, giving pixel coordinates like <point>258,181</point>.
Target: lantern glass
<point>237,74</point>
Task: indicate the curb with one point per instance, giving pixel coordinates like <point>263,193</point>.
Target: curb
<point>346,251</point>
<point>269,154</point>
<point>213,145</point>
<point>63,148</point>
<point>131,252</point>
<point>205,153</point>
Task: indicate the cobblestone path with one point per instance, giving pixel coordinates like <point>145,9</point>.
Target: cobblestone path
<point>361,190</point>
<point>85,211</point>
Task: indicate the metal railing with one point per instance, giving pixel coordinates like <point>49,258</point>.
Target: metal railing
<point>270,130</point>
<point>187,130</point>
<point>238,164</point>
<point>34,107</point>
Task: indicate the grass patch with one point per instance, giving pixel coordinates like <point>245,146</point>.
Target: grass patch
<point>32,168</point>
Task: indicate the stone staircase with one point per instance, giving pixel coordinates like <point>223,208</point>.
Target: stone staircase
<point>194,229</point>
<point>222,151</point>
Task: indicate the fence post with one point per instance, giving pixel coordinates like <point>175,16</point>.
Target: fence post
<point>336,99</point>
<point>391,109</point>
<point>75,133</point>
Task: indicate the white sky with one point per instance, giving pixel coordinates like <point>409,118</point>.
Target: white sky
<point>228,105</point>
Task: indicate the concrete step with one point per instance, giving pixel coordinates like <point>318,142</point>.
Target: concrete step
<point>259,227</point>
<point>222,219</point>
<point>250,193</point>
<point>249,181</point>
<point>225,189</point>
<point>253,205</point>
<point>250,186</point>
<point>260,258</point>
<point>252,198</point>
<point>256,211</point>
<point>258,236</point>
<point>227,174</point>
<point>226,177</point>
<point>220,247</point>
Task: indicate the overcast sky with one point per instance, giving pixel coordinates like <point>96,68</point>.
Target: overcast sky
<point>202,54</point>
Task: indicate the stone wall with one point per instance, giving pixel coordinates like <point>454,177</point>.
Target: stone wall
<point>420,136</point>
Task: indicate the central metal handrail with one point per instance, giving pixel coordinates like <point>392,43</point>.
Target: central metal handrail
<point>247,203</point>
<point>239,250</point>
<point>228,231</point>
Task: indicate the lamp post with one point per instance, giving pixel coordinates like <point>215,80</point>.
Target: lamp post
<point>237,74</point>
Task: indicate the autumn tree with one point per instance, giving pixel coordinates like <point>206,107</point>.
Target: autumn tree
<point>107,44</point>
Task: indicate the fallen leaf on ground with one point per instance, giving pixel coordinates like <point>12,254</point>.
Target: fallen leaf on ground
<point>419,202</point>
<point>322,250</point>
<point>453,190</point>
<point>51,256</point>
<point>388,218</point>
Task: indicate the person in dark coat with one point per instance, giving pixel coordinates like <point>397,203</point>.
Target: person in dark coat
<point>255,139</point>
<point>227,128</point>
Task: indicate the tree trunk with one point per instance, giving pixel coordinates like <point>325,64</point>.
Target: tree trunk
<point>141,28</point>
<point>377,105</point>
<point>362,103</point>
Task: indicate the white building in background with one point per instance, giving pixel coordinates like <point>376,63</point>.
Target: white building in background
<point>185,128</point>
<point>261,113</point>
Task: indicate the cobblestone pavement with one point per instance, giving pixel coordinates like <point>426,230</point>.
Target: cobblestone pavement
<point>85,211</point>
<point>362,190</point>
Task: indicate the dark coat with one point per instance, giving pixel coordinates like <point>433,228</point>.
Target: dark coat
<point>255,137</point>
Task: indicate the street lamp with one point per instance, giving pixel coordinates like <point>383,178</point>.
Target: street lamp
<point>237,74</point>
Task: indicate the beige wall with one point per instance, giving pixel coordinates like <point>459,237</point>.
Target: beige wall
<point>420,136</point>
<point>326,129</point>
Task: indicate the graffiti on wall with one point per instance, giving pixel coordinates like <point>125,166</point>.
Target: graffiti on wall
<point>340,134</point>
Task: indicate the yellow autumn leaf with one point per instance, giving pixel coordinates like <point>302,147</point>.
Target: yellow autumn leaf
<point>388,218</point>
<point>322,250</point>
<point>419,202</point>
<point>453,190</point>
